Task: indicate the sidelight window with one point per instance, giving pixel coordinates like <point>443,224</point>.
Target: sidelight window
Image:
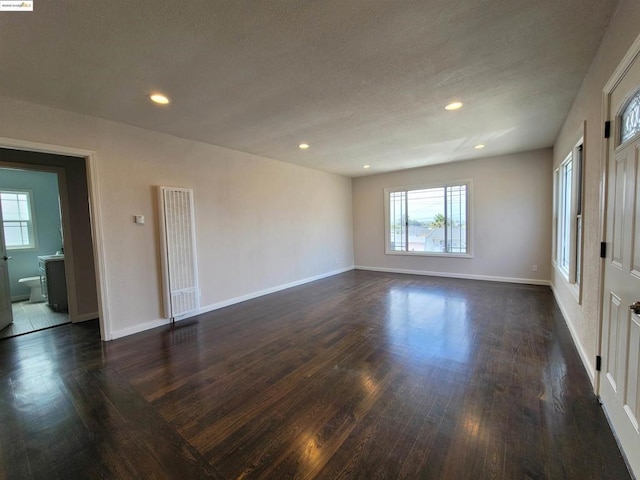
<point>568,216</point>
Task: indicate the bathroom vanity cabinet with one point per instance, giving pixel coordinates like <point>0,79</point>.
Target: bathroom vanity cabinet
<point>54,282</point>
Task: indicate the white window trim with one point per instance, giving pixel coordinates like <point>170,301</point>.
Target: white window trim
<point>570,275</point>
<point>33,230</point>
<point>387,241</point>
<point>565,270</point>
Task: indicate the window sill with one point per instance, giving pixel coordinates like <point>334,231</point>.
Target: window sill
<point>574,288</point>
<point>429,254</point>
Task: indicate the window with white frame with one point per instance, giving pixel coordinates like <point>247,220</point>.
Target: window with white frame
<point>568,193</point>
<point>17,219</point>
<point>428,220</point>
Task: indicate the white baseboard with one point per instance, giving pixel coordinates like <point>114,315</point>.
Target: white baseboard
<point>87,316</point>
<point>586,362</point>
<point>251,296</point>
<point>243,298</point>
<point>19,298</point>
<point>468,276</point>
<point>141,327</point>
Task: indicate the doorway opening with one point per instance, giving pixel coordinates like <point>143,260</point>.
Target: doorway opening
<point>65,260</point>
<point>34,241</point>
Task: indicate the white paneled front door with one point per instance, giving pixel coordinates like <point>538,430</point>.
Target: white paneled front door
<point>620,388</point>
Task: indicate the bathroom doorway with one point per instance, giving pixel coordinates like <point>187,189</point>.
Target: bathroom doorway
<point>34,242</point>
<point>74,207</point>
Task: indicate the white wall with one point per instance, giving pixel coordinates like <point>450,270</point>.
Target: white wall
<point>261,224</point>
<point>583,318</point>
<point>511,218</point>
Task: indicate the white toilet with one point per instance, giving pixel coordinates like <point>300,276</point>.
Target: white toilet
<point>36,290</point>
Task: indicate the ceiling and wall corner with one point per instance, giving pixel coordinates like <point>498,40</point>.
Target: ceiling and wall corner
<point>361,82</point>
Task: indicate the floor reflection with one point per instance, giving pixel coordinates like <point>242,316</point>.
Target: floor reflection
<point>391,376</point>
<point>35,399</point>
<point>425,324</point>
<point>176,338</point>
<point>32,317</point>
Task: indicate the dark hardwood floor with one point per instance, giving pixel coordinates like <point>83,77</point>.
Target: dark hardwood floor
<point>363,375</point>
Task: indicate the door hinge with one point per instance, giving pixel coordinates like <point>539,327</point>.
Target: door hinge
<point>603,249</point>
<point>607,129</point>
<point>598,363</point>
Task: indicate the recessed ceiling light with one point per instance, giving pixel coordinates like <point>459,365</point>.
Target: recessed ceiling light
<point>303,146</point>
<point>453,106</point>
<point>366,166</point>
<point>479,146</point>
<point>159,98</point>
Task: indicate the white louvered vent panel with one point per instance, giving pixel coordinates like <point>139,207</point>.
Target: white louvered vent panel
<point>179,251</point>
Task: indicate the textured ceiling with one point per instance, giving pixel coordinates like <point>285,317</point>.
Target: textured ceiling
<point>361,81</point>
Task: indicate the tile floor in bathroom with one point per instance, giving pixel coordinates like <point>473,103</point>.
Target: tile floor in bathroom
<point>30,317</point>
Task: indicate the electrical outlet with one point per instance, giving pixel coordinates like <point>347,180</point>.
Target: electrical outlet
<point>534,268</point>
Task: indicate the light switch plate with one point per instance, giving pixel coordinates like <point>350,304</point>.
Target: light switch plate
<point>138,219</point>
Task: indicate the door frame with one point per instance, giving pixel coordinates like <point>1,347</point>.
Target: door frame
<point>95,216</point>
<point>619,72</point>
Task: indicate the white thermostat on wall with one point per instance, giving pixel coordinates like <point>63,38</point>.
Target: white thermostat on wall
<point>138,219</point>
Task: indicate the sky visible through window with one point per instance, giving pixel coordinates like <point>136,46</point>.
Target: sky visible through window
<point>16,217</point>
<point>429,220</point>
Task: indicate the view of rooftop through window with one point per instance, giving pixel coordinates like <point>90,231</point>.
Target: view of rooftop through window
<point>430,220</point>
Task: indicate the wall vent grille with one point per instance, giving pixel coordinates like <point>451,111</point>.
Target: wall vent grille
<point>178,244</point>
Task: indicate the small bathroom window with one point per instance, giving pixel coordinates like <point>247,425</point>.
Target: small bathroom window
<point>17,219</point>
